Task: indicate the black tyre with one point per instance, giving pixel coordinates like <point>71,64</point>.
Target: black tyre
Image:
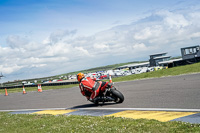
<point>119,97</point>
<point>96,102</point>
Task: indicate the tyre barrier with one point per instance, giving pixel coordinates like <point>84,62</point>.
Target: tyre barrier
<point>43,84</point>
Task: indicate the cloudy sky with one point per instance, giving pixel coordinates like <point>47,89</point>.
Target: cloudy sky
<point>50,37</point>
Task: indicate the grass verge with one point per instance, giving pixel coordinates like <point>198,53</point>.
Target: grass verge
<point>64,124</point>
<point>193,68</point>
<point>13,90</point>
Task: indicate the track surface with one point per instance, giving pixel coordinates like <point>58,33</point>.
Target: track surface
<point>179,92</point>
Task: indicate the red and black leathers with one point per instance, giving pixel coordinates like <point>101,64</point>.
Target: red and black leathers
<point>91,88</point>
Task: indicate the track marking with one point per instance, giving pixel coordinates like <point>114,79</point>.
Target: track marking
<point>162,116</point>
<point>54,112</point>
<point>144,109</point>
<point>94,112</point>
<point>94,108</point>
<point>33,109</point>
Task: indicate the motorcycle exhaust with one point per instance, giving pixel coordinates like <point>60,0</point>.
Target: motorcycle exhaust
<point>105,99</point>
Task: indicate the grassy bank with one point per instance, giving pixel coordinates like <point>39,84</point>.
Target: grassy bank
<point>70,124</point>
<point>193,68</point>
<point>28,89</point>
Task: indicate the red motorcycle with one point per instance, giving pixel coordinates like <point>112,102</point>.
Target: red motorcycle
<point>109,94</point>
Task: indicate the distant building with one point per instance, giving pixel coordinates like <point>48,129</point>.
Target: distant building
<point>169,63</point>
<point>156,58</point>
<point>189,55</point>
<point>134,65</point>
<point>190,52</point>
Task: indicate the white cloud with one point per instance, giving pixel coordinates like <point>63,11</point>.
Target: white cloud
<point>174,20</point>
<point>39,65</point>
<point>7,69</point>
<point>14,41</point>
<point>139,46</point>
<point>101,46</point>
<point>58,35</point>
<point>148,33</point>
<point>62,52</point>
<point>195,35</point>
<point>80,51</point>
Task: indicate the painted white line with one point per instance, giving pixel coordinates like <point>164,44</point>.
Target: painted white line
<point>144,109</point>
<point>16,110</point>
<point>139,109</point>
<point>195,73</point>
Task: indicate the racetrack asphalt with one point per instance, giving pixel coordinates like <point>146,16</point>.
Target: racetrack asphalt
<point>172,92</point>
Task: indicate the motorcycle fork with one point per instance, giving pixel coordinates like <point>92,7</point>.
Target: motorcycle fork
<point>106,92</point>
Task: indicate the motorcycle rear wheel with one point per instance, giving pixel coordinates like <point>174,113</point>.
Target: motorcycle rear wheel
<point>119,97</point>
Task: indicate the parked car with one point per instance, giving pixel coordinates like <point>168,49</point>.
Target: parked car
<point>118,72</point>
<point>103,76</point>
<point>139,70</point>
<point>158,68</point>
<point>150,69</point>
<point>127,73</point>
<point>110,72</point>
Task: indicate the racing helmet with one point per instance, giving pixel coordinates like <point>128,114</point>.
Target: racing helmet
<point>80,76</point>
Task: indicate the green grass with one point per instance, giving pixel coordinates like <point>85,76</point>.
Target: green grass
<point>13,90</point>
<point>22,123</point>
<point>194,68</point>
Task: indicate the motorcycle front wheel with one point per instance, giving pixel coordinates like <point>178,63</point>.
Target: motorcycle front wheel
<point>118,96</point>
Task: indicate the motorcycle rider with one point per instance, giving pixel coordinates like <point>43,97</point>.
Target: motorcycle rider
<point>89,87</point>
